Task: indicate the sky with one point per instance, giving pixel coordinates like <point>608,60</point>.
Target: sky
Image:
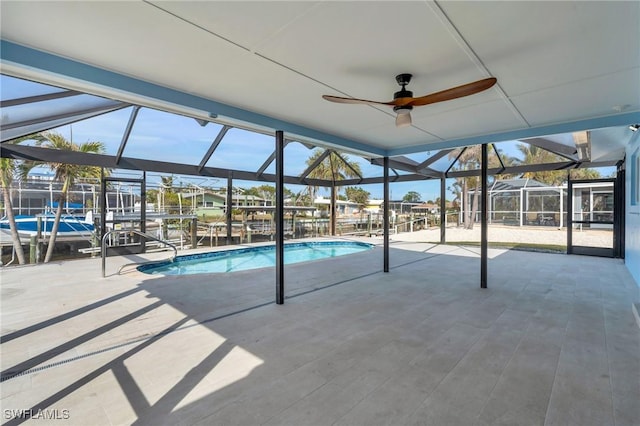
<point>173,138</point>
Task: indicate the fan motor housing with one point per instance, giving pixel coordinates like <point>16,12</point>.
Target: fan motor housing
<point>403,79</point>
<point>402,109</point>
<point>403,94</point>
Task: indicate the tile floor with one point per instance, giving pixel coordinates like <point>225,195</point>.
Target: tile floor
<point>552,341</point>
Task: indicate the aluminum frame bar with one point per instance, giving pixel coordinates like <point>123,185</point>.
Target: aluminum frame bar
<point>39,98</point>
<point>562,150</point>
<point>313,165</point>
<point>348,165</point>
<point>385,215</point>
<point>279,219</point>
<point>229,211</point>
<point>25,152</point>
<point>443,210</point>
<point>269,160</point>
<point>502,166</point>
<point>113,106</point>
<point>127,132</point>
<point>213,147</point>
<point>446,173</point>
<point>484,249</point>
<point>435,157</point>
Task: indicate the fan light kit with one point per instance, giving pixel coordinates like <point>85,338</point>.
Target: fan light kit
<point>403,100</point>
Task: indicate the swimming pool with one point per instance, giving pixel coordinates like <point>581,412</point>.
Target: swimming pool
<point>252,258</point>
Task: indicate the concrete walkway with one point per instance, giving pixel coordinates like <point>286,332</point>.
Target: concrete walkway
<point>514,234</point>
<point>552,341</point>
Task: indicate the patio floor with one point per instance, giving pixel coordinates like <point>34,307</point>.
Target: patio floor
<point>553,340</point>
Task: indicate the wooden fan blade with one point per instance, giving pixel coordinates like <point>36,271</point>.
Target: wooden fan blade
<point>340,100</point>
<point>403,119</point>
<point>455,92</point>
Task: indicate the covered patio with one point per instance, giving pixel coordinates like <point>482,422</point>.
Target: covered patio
<point>408,333</point>
<point>553,343</point>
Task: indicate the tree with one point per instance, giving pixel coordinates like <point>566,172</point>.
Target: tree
<point>469,159</point>
<point>65,173</point>
<point>263,191</point>
<point>357,195</point>
<point>411,197</point>
<point>333,168</point>
<point>586,174</point>
<point>535,155</point>
<point>8,169</point>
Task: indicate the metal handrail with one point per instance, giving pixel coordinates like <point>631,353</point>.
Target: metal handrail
<point>133,231</point>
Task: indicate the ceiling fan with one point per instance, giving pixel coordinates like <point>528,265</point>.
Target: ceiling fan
<point>403,100</point>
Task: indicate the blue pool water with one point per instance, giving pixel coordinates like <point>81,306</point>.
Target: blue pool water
<point>252,258</point>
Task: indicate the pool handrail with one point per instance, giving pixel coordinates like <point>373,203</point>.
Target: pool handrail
<point>133,231</point>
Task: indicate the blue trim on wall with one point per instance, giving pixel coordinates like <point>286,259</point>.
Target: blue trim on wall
<point>25,56</point>
<point>623,119</point>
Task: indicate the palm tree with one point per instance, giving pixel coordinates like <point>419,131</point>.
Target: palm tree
<point>535,155</point>
<point>66,173</point>
<point>7,172</point>
<point>334,168</point>
<point>469,159</point>
<point>8,169</point>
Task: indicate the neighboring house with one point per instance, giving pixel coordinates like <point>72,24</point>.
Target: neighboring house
<point>206,199</point>
<point>206,203</point>
<point>426,208</point>
<point>210,199</point>
<point>344,207</point>
<point>242,200</point>
<point>374,206</point>
<point>403,207</point>
<point>210,203</point>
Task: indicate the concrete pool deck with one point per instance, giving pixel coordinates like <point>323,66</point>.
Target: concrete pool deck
<point>553,340</point>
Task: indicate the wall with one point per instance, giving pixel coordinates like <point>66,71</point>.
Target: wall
<point>632,208</point>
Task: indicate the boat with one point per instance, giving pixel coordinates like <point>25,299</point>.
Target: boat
<point>69,225</point>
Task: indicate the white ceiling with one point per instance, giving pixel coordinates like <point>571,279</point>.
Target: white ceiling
<point>561,66</point>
